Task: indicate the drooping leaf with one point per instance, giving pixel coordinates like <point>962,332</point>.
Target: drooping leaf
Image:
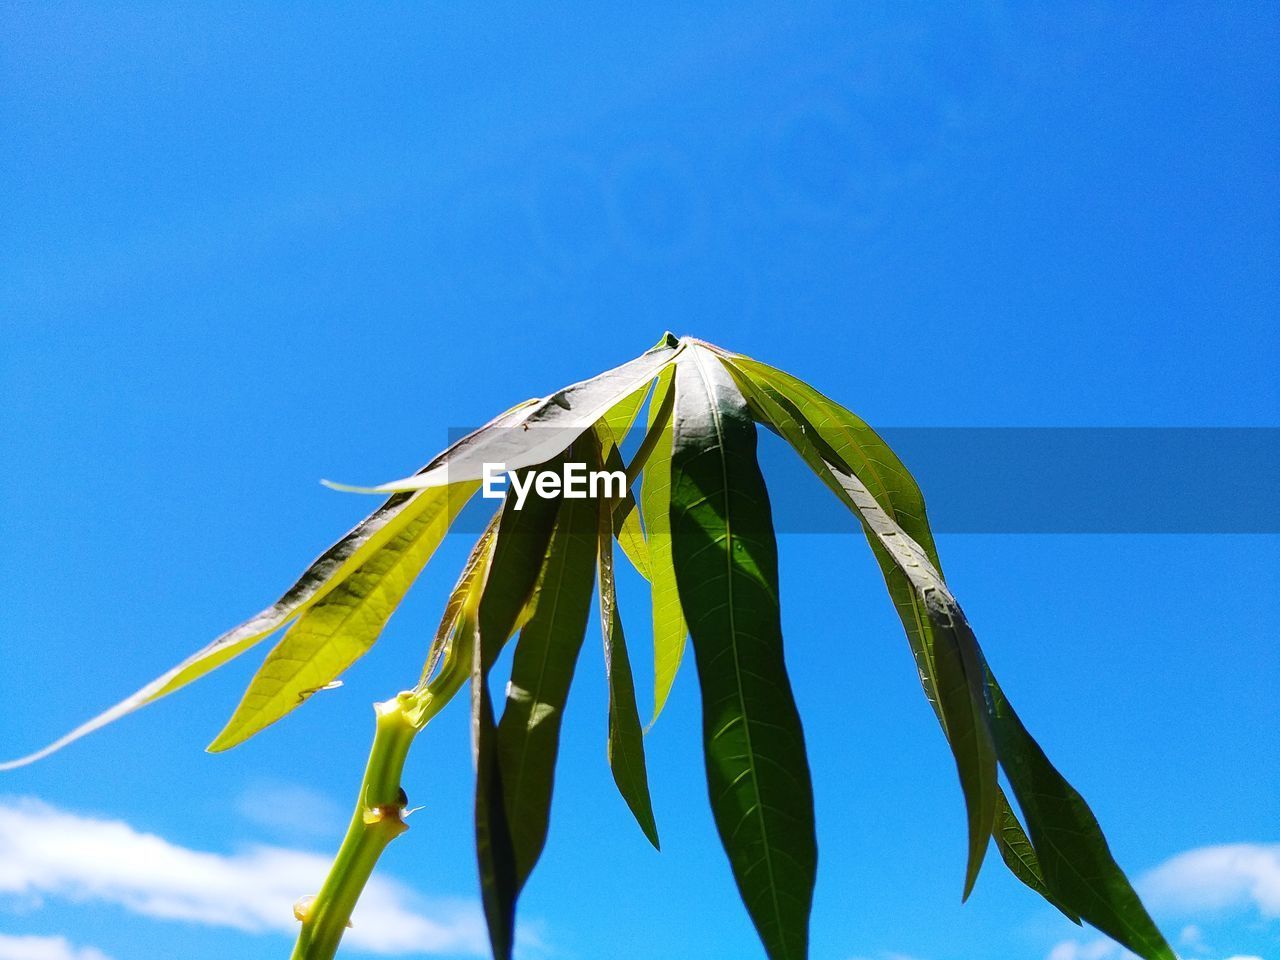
<point>857,445</point>
<point>335,632</point>
<point>726,568</point>
<point>1076,873</point>
<point>545,657</point>
<point>956,676</point>
<point>543,430</point>
<point>518,551</point>
<point>612,431</point>
<point>324,574</point>
<point>1020,856</point>
<point>669,631</point>
<point>1073,855</point>
<point>626,738</point>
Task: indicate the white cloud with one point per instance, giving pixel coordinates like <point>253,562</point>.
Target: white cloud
<point>1103,950</point>
<point>45,948</point>
<point>288,810</point>
<point>49,852</point>
<point>1233,877</point>
<point>1090,950</point>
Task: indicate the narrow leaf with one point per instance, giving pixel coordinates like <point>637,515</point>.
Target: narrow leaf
<point>1020,856</point>
<point>625,516</point>
<point>726,567</point>
<point>626,738</point>
<point>518,550</point>
<point>1067,860</point>
<point>332,634</point>
<point>956,675</point>
<point>324,574</point>
<point>857,445</point>
<point>545,657</point>
<point>1074,858</point>
<point>669,631</point>
<point>453,647</point>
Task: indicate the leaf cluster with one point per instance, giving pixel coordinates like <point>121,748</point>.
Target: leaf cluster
<point>701,532</point>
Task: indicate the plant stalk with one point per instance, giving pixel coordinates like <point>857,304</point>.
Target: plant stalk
<point>378,819</point>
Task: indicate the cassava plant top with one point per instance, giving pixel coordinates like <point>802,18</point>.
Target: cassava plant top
<point>701,533</point>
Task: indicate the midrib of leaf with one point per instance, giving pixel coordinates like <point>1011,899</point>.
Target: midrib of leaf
<point>758,808</point>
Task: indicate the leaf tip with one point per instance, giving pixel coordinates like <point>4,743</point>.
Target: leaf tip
<point>347,487</point>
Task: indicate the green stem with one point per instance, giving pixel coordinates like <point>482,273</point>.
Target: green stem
<point>378,819</point>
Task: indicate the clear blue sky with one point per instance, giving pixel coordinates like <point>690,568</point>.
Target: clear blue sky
<point>244,247</point>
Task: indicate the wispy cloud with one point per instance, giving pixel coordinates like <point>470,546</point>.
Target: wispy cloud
<point>45,948</point>
<point>45,851</point>
<point>1087,950</point>
<point>1105,950</point>
<point>1233,877</point>
<point>290,811</point>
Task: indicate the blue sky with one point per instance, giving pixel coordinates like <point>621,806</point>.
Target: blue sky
<point>246,247</point>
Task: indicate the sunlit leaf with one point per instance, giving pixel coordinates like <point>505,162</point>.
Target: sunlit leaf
<point>625,517</point>
<point>545,657</point>
<point>543,430</point>
<point>339,629</point>
<point>518,551</point>
<point>324,574</point>
<point>669,631</point>
<point>626,738</point>
<point>453,647</point>
<point>726,567</point>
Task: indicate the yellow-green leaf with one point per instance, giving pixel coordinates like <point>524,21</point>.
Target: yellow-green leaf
<point>333,633</point>
<point>669,630</point>
<point>626,737</point>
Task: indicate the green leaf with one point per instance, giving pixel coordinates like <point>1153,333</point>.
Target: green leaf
<point>726,567</point>
<point>453,647</point>
<point>955,661</point>
<point>541,431</point>
<point>333,633</point>
<point>1069,862</point>
<point>626,738</point>
<point>545,657</point>
<point>324,574</point>
<point>857,445</point>
<point>518,551</point>
<point>1020,856</point>
<point>669,631</point>
<point>620,418</point>
<point>612,431</point>
<point>1074,858</point>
